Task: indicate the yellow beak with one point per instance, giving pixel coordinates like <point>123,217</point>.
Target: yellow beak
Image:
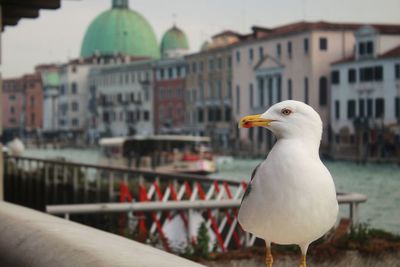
<point>253,120</point>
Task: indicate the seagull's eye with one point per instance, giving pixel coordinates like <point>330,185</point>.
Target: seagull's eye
<point>286,111</point>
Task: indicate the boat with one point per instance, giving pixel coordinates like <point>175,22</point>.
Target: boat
<point>161,153</point>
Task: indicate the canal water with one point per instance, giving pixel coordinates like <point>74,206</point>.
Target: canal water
<point>380,182</point>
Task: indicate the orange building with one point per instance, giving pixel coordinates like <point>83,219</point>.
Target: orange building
<point>22,103</point>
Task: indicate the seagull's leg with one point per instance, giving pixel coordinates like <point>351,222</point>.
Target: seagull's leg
<point>303,261</point>
<point>268,259</point>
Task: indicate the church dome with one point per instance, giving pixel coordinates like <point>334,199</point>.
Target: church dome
<point>174,40</point>
<point>120,30</point>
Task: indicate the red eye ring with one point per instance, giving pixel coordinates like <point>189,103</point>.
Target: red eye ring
<point>286,112</point>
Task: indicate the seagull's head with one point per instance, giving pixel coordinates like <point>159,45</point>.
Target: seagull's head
<point>288,119</point>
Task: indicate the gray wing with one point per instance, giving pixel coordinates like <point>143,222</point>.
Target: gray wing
<point>248,189</point>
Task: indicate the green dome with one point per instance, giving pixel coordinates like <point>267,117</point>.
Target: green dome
<point>174,39</point>
<point>120,30</point>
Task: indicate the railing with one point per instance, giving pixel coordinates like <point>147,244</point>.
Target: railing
<point>159,199</point>
<point>35,239</point>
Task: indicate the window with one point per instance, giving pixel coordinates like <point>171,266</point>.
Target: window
<point>170,73</point>
<point>178,71</point>
<point>146,115</point>
<point>306,90</point>
<point>238,99</point>
<point>351,109</point>
<point>397,71</point>
<point>210,114</point>
<point>228,114</point>
<point>361,107</point>
<point>352,76</point>
<point>278,50</point>
<point>251,95</point>
<point>379,107</point>
<point>335,76</point>
<point>12,110</point>
<point>366,74</point>
<point>260,135</point>
<point>229,85</point>
<point>11,97</point>
<point>397,107</point>
<point>62,89</point>
<point>279,89</point>
<point>75,122</point>
<point>290,90</point>
<point>323,91</point>
<point>75,106</point>
<point>261,52</point>
<point>261,92</point>
<point>194,67</point>
<point>237,56</point>
<point>33,118</point>
<point>369,107</point>
<point>211,64</point>
<point>289,49</point>
<point>270,93</point>
<point>218,114</point>
<point>200,115</point>
<point>251,54</point>
<point>323,44</point>
<point>378,73</point>
<point>162,73</point>
<point>229,62</point>
<point>370,48</point>
<point>32,101</point>
<point>361,49</point>
<point>220,63</point>
<point>371,74</point>
<point>337,109</point>
<point>305,45</point>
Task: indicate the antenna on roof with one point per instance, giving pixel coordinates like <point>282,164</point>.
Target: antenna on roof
<point>304,9</point>
<point>174,16</point>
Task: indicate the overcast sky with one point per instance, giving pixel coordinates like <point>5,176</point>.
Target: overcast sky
<point>57,34</point>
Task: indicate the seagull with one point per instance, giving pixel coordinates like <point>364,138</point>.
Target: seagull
<point>291,198</point>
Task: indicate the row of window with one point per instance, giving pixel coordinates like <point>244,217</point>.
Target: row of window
<point>214,114</point>
<point>64,107</point>
<point>323,46</point>
<point>367,108</point>
<point>124,98</point>
<point>214,91</point>
<point>64,122</point>
<point>323,92</point>
<point>127,116</point>
<point>64,89</point>
<point>214,63</point>
<point>123,78</point>
<point>168,93</point>
<point>171,73</point>
<point>366,74</point>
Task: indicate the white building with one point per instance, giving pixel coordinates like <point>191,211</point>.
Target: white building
<point>73,96</point>
<point>124,97</point>
<point>287,62</point>
<point>365,102</point>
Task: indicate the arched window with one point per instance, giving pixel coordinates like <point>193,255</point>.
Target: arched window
<point>323,91</point>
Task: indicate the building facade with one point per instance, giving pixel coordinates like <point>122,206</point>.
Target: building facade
<point>124,97</point>
<point>33,103</point>
<point>209,91</point>
<point>169,96</point>
<point>22,105</point>
<point>73,96</point>
<point>287,62</point>
<point>365,99</point>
